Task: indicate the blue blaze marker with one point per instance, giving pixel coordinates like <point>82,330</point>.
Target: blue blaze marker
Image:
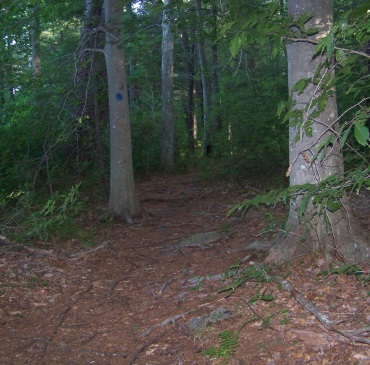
<point>119,96</point>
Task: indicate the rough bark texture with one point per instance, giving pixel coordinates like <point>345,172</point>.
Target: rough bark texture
<point>122,200</point>
<point>168,128</point>
<point>342,236</point>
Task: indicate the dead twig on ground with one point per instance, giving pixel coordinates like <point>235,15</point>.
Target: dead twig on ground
<point>113,286</point>
<point>87,251</point>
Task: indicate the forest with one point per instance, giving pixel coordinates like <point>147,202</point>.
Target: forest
<point>136,133</point>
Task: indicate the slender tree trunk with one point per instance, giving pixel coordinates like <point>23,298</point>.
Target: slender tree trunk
<point>36,45</point>
<point>332,233</point>
<point>189,51</point>
<point>98,142</point>
<point>122,199</point>
<point>205,80</point>
<point>168,128</point>
<point>216,120</point>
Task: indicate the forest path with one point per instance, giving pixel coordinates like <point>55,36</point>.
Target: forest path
<point>134,300</point>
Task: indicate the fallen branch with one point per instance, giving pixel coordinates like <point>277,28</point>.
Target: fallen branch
<point>143,347</point>
<point>90,250</point>
<point>324,320</point>
<point>168,282</point>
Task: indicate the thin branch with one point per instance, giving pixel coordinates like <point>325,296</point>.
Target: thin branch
<point>350,51</point>
<point>90,250</point>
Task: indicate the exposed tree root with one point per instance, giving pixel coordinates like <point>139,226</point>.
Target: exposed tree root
<point>164,323</point>
<point>63,316</point>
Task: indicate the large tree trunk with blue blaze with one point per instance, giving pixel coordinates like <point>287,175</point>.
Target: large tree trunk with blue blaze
<point>333,233</point>
<point>122,200</point>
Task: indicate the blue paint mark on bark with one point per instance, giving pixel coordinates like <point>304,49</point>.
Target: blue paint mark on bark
<point>119,96</point>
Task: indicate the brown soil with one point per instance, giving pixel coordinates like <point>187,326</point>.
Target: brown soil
<point>131,300</point>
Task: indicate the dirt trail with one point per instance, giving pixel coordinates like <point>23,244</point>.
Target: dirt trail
<point>134,300</point>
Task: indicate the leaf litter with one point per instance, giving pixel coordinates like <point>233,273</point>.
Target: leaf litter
<point>124,301</point>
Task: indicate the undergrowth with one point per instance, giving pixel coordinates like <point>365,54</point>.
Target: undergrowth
<point>27,218</point>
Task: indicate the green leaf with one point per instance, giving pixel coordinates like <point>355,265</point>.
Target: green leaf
<point>361,134</point>
<point>303,205</point>
<point>267,297</point>
<point>333,205</point>
<point>312,31</point>
<point>344,136</point>
<point>235,45</point>
<point>226,27</point>
<point>301,85</point>
<point>304,18</point>
<point>330,44</point>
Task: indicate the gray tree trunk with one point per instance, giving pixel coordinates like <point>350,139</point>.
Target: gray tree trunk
<point>168,127</point>
<point>205,78</point>
<point>122,199</point>
<point>189,51</point>
<point>333,233</point>
<point>132,86</point>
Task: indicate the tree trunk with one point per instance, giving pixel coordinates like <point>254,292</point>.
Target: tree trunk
<point>216,120</point>
<point>98,118</point>
<point>35,41</point>
<point>132,87</point>
<point>189,51</point>
<point>122,199</point>
<point>205,80</point>
<point>330,232</point>
<point>168,129</point>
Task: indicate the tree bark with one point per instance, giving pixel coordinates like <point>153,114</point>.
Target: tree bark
<point>167,128</point>
<point>331,233</point>
<point>216,120</point>
<point>205,79</point>
<point>122,199</point>
<point>132,87</point>
<point>189,50</point>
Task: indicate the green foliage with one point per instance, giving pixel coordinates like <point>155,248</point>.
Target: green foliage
<point>241,276</point>
<point>258,296</point>
<point>324,196</point>
<point>347,269</point>
<point>25,220</point>
<point>228,345</point>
